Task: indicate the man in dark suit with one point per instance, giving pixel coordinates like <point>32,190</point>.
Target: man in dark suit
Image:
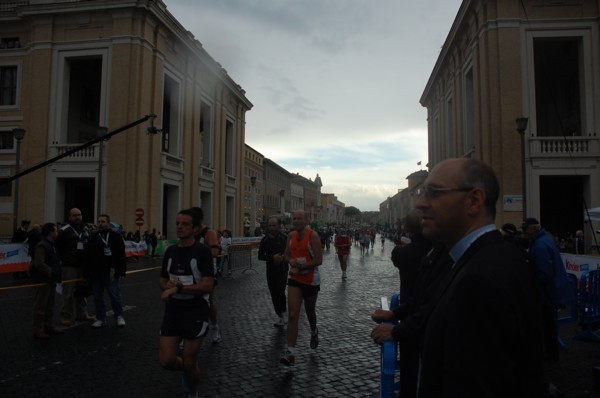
<point>483,338</point>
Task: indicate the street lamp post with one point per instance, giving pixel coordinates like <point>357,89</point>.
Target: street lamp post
<point>521,127</point>
<point>253,204</point>
<point>101,133</point>
<point>18,135</point>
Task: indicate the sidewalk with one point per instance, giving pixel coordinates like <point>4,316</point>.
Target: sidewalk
<point>123,362</point>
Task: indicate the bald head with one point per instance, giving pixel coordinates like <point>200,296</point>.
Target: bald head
<point>299,220</point>
<point>75,216</point>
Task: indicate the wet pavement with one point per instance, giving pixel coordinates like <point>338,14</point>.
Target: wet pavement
<point>123,362</point>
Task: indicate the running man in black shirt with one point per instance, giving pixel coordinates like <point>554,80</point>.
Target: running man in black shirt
<point>187,279</point>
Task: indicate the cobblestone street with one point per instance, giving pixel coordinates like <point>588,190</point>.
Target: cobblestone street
<point>123,362</point>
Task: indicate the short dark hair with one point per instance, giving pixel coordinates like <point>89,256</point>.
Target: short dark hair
<point>193,215</point>
<point>104,215</point>
<point>48,228</point>
<point>478,174</point>
<point>276,219</point>
<point>199,213</point>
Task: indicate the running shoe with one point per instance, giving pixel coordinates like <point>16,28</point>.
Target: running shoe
<point>98,324</point>
<point>287,359</point>
<point>216,337</point>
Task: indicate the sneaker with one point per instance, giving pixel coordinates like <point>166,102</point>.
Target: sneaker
<point>185,384</point>
<point>314,339</point>
<point>288,359</point>
<point>216,337</point>
<point>280,322</point>
<point>98,324</point>
<point>344,275</point>
<point>120,321</point>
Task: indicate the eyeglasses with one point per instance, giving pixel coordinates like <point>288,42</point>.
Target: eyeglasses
<point>432,192</point>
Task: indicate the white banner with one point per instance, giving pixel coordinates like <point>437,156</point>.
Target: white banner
<point>576,264</point>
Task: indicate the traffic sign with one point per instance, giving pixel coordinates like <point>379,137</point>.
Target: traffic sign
<point>139,221</point>
<point>139,212</point>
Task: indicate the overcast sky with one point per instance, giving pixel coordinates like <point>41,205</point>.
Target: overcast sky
<point>335,83</point>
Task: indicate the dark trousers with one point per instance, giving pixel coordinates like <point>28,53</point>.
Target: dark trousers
<point>43,307</point>
<point>409,367</point>
<point>277,276</point>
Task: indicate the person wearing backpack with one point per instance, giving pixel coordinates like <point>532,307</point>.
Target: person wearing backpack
<point>552,281</point>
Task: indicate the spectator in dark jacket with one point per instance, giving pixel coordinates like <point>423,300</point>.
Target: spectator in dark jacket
<point>105,253</point>
<point>70,245</point>
<point>45,269</point>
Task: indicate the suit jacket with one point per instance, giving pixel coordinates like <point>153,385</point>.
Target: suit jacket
<point>483,339</point>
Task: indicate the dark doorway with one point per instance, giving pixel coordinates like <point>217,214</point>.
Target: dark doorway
<point>561,205</point>
<point>80,193</point>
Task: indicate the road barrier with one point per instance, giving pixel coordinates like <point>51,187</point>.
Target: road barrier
<point>589,305</point>
<point>14,257</point>
<point>569,314</point>
<point>239,254</point>
<point>389,358</point>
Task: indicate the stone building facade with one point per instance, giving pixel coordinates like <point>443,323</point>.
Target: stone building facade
<point>71,67</point>
<point>535,59</point>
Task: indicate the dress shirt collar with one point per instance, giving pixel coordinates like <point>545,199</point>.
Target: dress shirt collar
<point>462,245</point>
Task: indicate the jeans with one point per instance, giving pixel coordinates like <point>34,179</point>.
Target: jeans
<point>114,293</point>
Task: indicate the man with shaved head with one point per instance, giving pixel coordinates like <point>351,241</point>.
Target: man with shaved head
<point>483,336</point>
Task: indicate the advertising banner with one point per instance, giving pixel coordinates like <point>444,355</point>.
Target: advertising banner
<point>576,264</point>
<point>14,257</point>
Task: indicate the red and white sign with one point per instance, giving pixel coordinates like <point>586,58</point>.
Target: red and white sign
<point>139,216</point>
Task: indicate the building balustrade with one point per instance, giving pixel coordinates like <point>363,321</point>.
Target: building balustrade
<point>89,154</point>
<point>230,180</point>
<point>207,172</point>
<point>171,162</point>
<point>558,147</point>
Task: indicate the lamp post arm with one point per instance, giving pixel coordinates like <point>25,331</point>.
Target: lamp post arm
<point>78,148</point>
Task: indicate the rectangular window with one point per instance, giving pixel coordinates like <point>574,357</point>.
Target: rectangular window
<point>206,134</point>
<point>84,93</point>
<point>5,189</point>
<point>8,85</point>
<point>558,86</point>
<point>449,133</point>
<point>171,116</point>
<point>469,111</point>
<point>7,142</point>
<point>10,42</point>
<point>229,149</point>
